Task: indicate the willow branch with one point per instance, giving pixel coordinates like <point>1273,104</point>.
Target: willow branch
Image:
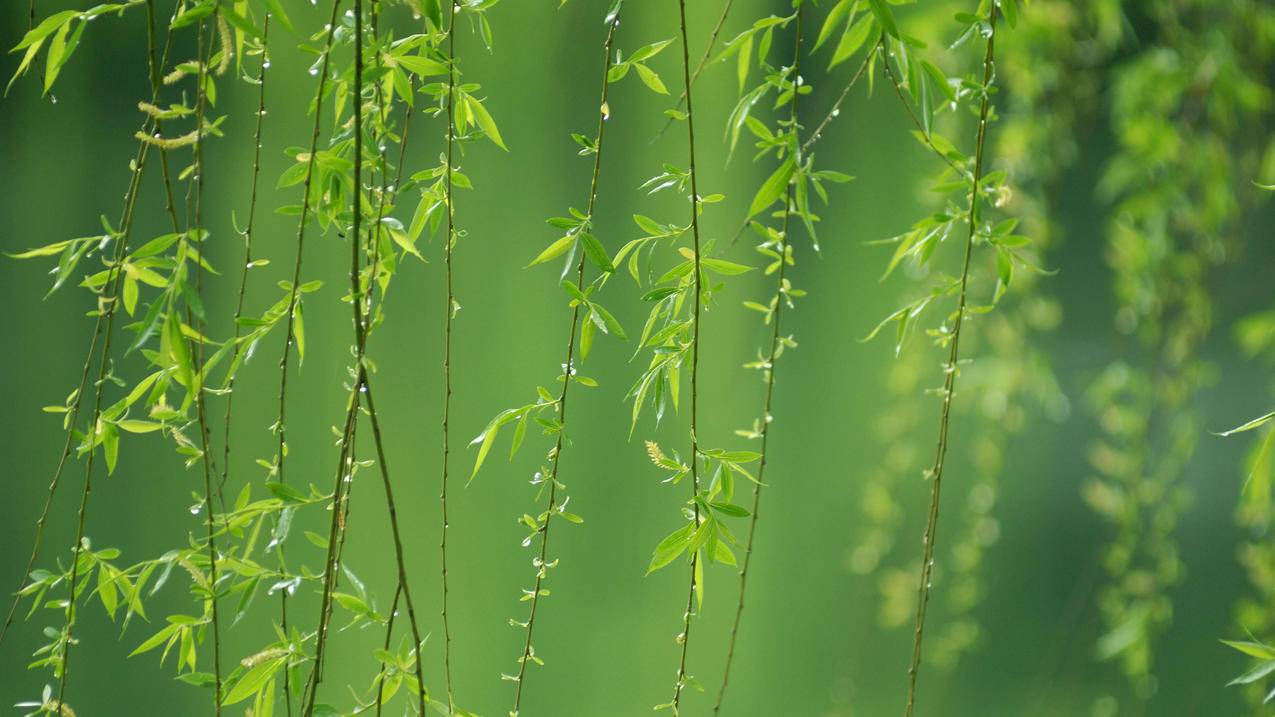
<point>149,125</point>
<point>197,353</point>
<point>447,339</point>
<point>775,348</point>
<point>898,90</point>
<point>835,110</point>
<point>817,134</point>
<point>703,62</point>
<point>400,562</point>
<point>695,319</point>
<point>280,425</point>
<point>107,305</point>
<point>566,382</point>
<point>247,235</point>
<point>950,373</point>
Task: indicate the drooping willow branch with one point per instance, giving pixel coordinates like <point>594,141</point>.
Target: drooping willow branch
<point>813,136</point>
<point>552,506</point>
<point>196,349</point>
<point>834,111</point>
<point>363,387</point>
<point>360,391</point>
<point>108,303</point>
<point>247,236</point>
<point>448,314</point>
<point>926,135</point>
<point>361,321</point>
<point>149,124</point>
<point>951,370</point>
<point>280,425</point>
<point>783,251</point>
<point>703,61</point>
<point>695,351</point>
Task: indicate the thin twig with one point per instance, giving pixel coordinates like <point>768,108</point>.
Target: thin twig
<point>336,529</point>
<point>149,125</point>
<point>695,319</point>
<point>950,371</point>
<point>614,22</point>
<point>280,425</point>
<point>898,90</point>
<point>835,110</point>
<point>389,631</point>
<point>107,304</point>
<point>703,62</point>
<point>447,339</point>
<point>247,236</point>
<point>400,561</point>
<point>197,353</point>
<point>775,344</point>
<point>817,134</point>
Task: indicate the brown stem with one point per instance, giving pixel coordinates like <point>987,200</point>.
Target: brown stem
<point>447,339</point>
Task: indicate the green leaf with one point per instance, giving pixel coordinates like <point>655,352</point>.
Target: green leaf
<point>883,14</point>
<point>773,188</point>
<point>554,250</point>
<point>721,266</point>
<point>609,323</point>
<point>730,509</point>
<point>835,15</point>
<point>1253,649</point>
<point>421,66</point>
<point>650,79</point>
<point>852,39</point>
<point>1255,423</point>
<point>253,680</point>
<point>596,252</point>
<point>669,548</point>
<point>485,121</point>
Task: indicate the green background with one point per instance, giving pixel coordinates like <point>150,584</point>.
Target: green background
<point>811,642</point>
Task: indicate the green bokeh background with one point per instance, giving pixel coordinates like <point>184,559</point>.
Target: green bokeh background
<point>811,643</point>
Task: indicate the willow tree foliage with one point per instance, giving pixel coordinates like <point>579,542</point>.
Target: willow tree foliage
<point>995,101</point>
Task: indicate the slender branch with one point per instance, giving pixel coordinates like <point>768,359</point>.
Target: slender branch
<point>898,90</point>
<point>364,387</point>
<point>389,631</point>
<point>197,353</point>
<point>695,318</point>
<point>703,62</point>
<point>336,528</point>
<point>835,110</point>
<point>149,125</point>
<point>566,382</point>
<point>400,561</point>
<point>280,425</point>
<point>247,235</point>
<point>950,372</point>
<point>293,292</point>
<point>447,338</point>
<point>775,349</point>
<point>107,304</point>
<point>817,134</point>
